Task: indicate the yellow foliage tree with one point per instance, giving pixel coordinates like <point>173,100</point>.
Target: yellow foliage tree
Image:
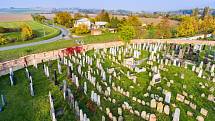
<point>207,25</point>
<point>188,27</point>
<point>81,29</point>
<point>3,39</point>
<point>26,32</point>
<point>64,18</point>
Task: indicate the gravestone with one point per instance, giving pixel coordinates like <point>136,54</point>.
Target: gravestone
<point>143,114</point>
<point>55,77</point>
<point>11,80</point>
<point>31,89</point>
<point>59,67</point>
<point>153,103</point>
<point>152,117</point>
<point>160,107</point>
<point>166,109</point>
<point>168,97</point>
<point>176,115</point>
<point>3,100</point>
<point>180,98</point>
<point>204,112</point>
<point>69,72</point>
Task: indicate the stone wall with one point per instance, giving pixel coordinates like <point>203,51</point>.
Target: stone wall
<point>52,55</point>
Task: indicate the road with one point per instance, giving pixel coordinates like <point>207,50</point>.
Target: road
<point>63,32</point>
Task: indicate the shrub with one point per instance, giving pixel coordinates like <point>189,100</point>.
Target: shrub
<point>81,29</point>
<point>27,32</point>
<point>3,40</point>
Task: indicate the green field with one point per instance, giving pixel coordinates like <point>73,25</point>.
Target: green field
<point>16,53</point>
<point>37,28</point>
<point>22,107</point>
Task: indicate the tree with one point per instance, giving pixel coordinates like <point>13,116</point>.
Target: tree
<point>78,16</point>
<point>207,25</point>
<point>81,29</point>
<point>164,29</point>
<point>114,23</point>
<point>26,32</point>
<point>3,39</point>
<point>127,33</point>
<point>206,12</point>
<point>39,18</point>
<point>64,18</point>
<point>133,21</point>
<point>188,27</point>
<point>103,16</point>
<point>136,24</point>
<point>195,12</point>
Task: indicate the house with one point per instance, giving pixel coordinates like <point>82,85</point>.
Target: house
<point>85,21</point>
<point>100,24</point>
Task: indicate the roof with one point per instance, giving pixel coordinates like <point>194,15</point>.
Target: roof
<point>100,23</point>
<point>83,20</point>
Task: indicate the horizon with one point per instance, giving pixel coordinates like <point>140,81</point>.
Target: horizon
<point>135,5</point>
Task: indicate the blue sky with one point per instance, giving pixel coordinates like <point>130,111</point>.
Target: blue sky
<point>135,5</point>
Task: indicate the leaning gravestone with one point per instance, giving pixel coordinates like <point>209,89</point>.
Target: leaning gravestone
<point>3,100</point>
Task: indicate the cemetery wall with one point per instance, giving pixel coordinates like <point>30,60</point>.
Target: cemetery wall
<point>52,55</point>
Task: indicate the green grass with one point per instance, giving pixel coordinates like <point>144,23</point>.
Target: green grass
<point>22,107</point>
<point>37,28</point>
<point>16,53</point>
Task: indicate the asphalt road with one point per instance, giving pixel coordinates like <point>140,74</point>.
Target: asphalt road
<point>63,32</point>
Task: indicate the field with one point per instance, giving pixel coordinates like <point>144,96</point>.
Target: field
<point>11,17</point>
<point>22,107</point>
<point>37,28</point>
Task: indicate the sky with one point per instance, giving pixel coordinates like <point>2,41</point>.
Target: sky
<point>134,5</point>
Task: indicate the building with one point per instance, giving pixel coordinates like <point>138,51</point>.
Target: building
<point>100,24</point>
<point>96,32</point>
<point>85,21</point>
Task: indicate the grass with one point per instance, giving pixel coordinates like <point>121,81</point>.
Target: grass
<point>37,28</point>
<point>16,53</point>
<point>22,107</point>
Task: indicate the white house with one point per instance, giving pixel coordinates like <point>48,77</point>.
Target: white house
<point>85,21</point>
<point>100,24</point>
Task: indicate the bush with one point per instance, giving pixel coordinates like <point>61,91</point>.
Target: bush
<point>3,40</point>
<point>7,30</point>
<point>27,32</point>
<point>81,29</point>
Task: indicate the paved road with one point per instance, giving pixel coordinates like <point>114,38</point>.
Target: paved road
<point>63,32</point>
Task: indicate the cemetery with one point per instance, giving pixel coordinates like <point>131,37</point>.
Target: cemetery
<point>140,81</point>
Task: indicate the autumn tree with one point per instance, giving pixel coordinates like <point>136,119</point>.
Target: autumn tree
<point>103,16</point>
<point>127,33</point>
<point>26,32</point>
<point>81,29</point>
<point>64,18</point>
<point>3,39</point>
<point>39,18</point>
<point>78,16</point>
<point>206,12</point>
<point>133,21</point>
<point>207,25</point>
<point>188,27</point>
<point>164,29</point>
<point>195,12</point>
